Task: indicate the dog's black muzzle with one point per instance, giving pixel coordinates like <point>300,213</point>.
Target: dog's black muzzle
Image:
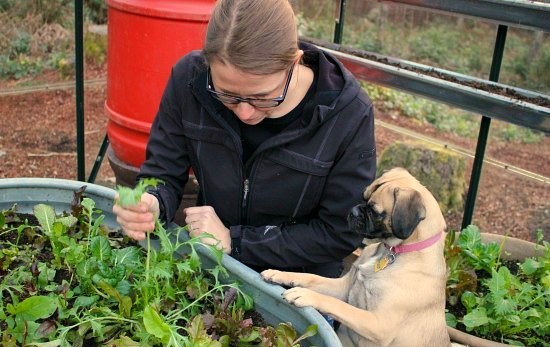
<point>365,221</point>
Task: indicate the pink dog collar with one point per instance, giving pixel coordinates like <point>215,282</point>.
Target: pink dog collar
<point>413,247</point>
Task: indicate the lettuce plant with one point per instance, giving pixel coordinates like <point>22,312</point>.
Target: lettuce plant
<point>67,280</point>
<point>503,301</point>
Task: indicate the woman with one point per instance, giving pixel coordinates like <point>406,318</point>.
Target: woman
<point>280,137</point>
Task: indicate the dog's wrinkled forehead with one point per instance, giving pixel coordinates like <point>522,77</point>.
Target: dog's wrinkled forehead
<point>390,179</point>
<point>380,194</point>
<point>381,197</point>
<point>370,190</point>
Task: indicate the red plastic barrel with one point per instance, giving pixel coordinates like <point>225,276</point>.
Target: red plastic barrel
<point>146,38</point>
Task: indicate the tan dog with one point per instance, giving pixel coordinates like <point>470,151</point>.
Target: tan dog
<point>394,293</point>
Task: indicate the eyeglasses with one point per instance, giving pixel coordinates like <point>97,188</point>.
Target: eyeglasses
<point>258,103</point>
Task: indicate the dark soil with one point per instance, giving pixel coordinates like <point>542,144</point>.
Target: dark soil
<point>38,139</point>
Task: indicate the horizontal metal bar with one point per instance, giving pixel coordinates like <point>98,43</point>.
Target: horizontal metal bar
<point>522,107</point>
<point>522,13</point>
<point>50,87</point>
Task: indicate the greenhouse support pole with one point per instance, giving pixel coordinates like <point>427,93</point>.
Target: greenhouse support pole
<point>99,159</point>
<point>339,18</point>
<point>483,135</point>
<point>79,66</point>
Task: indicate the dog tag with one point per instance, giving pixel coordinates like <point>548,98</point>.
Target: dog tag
<point>381,264</point>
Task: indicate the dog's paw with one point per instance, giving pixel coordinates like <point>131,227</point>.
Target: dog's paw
<point>276,276</point>
<point>301,297</point>
<point>269,275</point>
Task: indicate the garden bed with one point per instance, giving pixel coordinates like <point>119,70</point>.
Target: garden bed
<point>70,278</point>
<point>497,289</point>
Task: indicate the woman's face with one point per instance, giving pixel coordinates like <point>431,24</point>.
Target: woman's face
<point>227,79</point>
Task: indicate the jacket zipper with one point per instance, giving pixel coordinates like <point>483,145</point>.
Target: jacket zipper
<point>246,188</point>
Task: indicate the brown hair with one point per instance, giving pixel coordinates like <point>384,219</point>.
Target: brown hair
<point>256,36</point>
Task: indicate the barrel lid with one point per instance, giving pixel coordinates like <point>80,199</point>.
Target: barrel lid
<point>192,10</point>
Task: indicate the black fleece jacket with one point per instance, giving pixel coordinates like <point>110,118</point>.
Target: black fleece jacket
<point>287,206</point>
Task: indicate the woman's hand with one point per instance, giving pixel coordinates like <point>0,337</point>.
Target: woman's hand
<point>203,219</point>
<point>137,220</point>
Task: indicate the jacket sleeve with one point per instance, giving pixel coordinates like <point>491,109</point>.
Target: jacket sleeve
<point>166,157</point>
<point>325,237</point>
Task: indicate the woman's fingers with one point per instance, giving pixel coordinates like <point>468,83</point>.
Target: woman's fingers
<point>137,220</point>
<point>203,219</point>
<point>133,215</point>
<point>136,235</point>
<point>137,229</point>
<point>198,216</point>
<point>132,210</point>
<point>141,226</point>
<point>151,203</point>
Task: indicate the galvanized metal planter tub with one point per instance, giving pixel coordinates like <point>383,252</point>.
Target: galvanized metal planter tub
<point>27,192</point>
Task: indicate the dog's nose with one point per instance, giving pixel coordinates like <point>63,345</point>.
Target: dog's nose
<point>356,211</point>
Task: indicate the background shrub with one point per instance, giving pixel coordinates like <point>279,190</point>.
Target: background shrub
<point>439,170</point>
<point>39,35</point>
<point>96,11</point>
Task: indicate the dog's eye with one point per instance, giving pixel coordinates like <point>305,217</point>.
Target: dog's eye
<point>374,208</point>
<point>381,215</point>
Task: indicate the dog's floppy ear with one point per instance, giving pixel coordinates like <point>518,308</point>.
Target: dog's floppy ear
<point>408,211</point>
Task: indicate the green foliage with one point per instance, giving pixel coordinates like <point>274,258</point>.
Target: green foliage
<point>50,11</point>
<point>460,278</point>
<point>435,45</point>
<point>38,35</point>
<point>98,288</point>
<point>538,69</point>
<point>514,133</point>
<point>32,31</point>
<point>287,335</point>
<point>155,325</point>
<point>55,229</point>
<point>443,117</point>
<point>95,47</point>
<point>500,305</point>
<point>34,308</point>
<point>5,4</point>
<point>54,11</point>
<point>464,45</point>
<point>24,317</point>
<point>21,45</point>
<point>527,56</point>
<point>131,196</point>
<point>440,116</point>
<point>63,63</point>
<point>479,256</point>
<point>19,67</point>
<point>321,26</point>
<point>408,105</point>
<point>96,11</point>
